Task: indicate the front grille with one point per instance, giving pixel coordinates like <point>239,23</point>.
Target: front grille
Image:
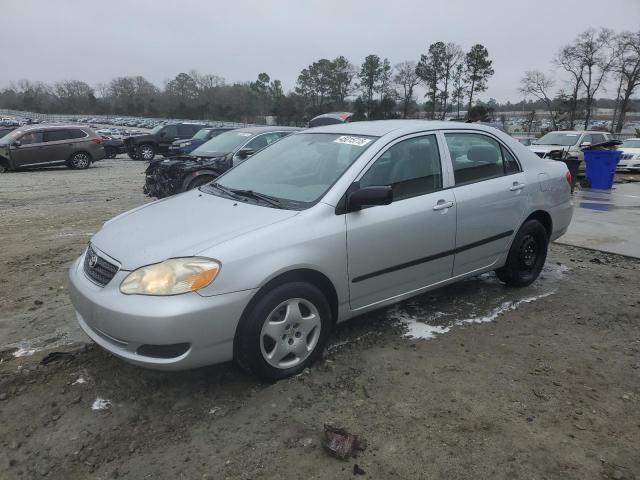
<point>163,351</point>
<point>627,156</point>
<point>99,270</point>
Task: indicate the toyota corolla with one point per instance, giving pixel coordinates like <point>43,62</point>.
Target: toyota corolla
<point>324,225</point>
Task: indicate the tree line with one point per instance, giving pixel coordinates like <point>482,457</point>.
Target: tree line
<point>593,59</point>
<point>373,90</point>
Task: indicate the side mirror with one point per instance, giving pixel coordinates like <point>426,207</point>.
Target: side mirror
<point>369,197</point>
<point>245,152</point>
<point>17,143</point>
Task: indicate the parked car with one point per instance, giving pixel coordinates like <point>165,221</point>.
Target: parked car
<point>322,226</point>
<point>158,140</point>
<point>571,141</point>
<point>630,161</point>
<point>205,163</point>
<point>330,119</point>
<point>112,147</point>
<point>75,146</point>
<point>183,147</point>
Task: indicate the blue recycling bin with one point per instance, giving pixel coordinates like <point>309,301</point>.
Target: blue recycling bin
<point>601,167</point>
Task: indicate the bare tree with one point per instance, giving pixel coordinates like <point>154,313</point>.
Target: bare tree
<point>568,60</point>
<point>628,71</point>
<point>406,79</point>
<point>539,85</point>
<point>597,52</point>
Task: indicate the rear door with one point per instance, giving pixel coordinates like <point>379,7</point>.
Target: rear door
<point>490,195</point>
<point>399,248</point>
<point>58,145</point>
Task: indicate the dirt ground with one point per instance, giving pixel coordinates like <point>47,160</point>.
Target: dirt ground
<point>470,381</point>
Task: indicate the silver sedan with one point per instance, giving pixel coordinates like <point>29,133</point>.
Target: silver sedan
<point>326,224</point>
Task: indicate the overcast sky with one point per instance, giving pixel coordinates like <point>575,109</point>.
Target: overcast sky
<point>95,41</point>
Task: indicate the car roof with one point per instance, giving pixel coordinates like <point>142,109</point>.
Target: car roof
<point>55,126</point>
<point>256,130</point>
<point>378,128</point>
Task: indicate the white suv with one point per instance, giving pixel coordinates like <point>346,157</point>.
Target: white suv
<point>572,141</point>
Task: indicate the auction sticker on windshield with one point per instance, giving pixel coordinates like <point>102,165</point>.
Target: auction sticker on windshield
<point>357,141</point>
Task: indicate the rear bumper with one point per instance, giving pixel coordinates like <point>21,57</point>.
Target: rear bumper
<point>122,324</point>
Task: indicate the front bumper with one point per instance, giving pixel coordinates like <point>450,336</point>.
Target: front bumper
<point>122,324</point>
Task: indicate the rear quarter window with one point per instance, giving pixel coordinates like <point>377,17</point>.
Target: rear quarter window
<point>77,133</point>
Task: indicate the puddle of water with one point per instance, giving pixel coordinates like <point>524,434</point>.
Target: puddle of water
<point>476,300</point>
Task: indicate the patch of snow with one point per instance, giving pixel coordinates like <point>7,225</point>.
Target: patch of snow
<point>24,351</point>
<point>504,307</point>
<point>79,381</point>
<point>101,404</point>
<point>416,329</point>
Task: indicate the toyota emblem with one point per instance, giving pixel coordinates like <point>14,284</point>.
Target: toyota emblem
<point>93,260</point>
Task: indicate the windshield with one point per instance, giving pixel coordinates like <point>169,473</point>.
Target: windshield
<point>299,168</point>
<point>223,143</point>
<point>156,129</point>
<point>631,143</point>
<point>559,138</point>
<point>11,136</point>
<point>201,134</point>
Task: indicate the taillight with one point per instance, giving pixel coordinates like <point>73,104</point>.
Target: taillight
<point>569,178</point>
<point>97,140</point>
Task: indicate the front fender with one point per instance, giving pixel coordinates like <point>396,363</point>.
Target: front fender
<point>198,173</point>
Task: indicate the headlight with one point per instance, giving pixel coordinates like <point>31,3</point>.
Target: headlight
<point>171,277</point>
<point>185,144</point>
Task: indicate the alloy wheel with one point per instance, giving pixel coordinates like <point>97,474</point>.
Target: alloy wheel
<point>146,152</point>
<point>81,160</point>
<point>290,333</point>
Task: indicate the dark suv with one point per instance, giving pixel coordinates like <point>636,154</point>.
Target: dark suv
<point>183,147</point>
<point>40,146</point>
<point>158,140</point>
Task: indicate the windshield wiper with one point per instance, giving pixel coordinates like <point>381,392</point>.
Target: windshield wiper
<point>258,196</point>
<point>225,190</point>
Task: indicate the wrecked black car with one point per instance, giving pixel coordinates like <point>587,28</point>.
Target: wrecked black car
<point>170,176</point>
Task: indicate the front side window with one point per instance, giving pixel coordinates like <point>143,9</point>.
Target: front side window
<point>170,131</point>
<point>410,168</point>
<point>476,157</point>
<point>298,169</point>
<point>262,141</point>
<point>31,137</point>
<point>597,138</point>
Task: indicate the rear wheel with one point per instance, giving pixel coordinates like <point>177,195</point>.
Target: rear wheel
<point>4,167</point>
<point>526,256</point>
<point>110,152</point>
<point>284,332</point>
<point>80,161</point>
<point>146,152</point>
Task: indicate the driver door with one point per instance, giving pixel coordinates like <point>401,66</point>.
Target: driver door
<point>402,247</point>
<point>31,150</point>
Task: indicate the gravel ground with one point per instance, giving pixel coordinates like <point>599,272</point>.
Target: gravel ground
<point>469,381</point>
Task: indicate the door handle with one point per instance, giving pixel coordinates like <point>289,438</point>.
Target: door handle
<point>517,186</point>
<point>442,205</point>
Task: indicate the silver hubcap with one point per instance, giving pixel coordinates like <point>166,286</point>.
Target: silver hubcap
<point>146,152</point>
<point>81,160</point>
<point>290,333</point>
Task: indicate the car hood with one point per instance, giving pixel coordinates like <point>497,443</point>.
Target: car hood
<point>633,150</point>
<point>548,148</point>
<point>180,226</point>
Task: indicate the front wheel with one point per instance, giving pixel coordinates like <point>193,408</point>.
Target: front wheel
<point>146,152</point>
<point>284,332</point>
<point>526,256</point>
<point>80,161</point>
<point>199,181</point>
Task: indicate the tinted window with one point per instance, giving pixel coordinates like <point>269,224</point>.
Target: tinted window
<point>477,157</point>
<point>31,137</point>
<point>597,138</point>
<point>187,130</point>
<point>77,133</point>
<point>170,131</point>
<point>56,135</point>
<point>410,167</point>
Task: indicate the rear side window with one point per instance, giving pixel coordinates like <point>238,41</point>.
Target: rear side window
<point>186,130</point>
<point>410,168</point>
<point>56,135</point>
<point>77,133</point>
<point>478,157</point>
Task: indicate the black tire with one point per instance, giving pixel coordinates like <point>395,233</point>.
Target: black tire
<point>146,152</point>
<point>110,152</point>
<point>199,181</point>
<point>133,155</point>
<point>526,256</point>
<point>250,341</point>
<point>80,161</point>
<point>4,167</point>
